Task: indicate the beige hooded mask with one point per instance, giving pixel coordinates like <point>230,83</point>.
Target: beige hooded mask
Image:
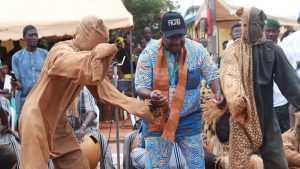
<point>90,32</point>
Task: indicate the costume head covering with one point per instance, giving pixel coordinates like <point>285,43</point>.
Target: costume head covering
<point>253,22</point>
<point>28,28</point>
<point>91,31</point>
<point>273,23</point>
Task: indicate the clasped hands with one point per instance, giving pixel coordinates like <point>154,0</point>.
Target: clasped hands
<point>158,102</point>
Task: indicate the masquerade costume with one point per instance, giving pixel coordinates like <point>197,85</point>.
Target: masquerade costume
<point>247,72</point>
<point>44,128</point>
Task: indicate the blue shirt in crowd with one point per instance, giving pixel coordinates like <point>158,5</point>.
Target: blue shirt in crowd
<point>27,67</point>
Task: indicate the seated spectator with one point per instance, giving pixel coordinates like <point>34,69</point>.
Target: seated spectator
<point>291,144</point>
<point>5,86</point>
<point>9,142</point>
<point>83,116</point>
<point>135,154</point>
<point>8,158</point>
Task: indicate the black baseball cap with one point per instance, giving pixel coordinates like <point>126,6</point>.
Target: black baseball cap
<point>172,23</point>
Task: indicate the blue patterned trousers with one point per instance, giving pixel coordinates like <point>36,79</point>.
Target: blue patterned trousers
<point>159,151</point>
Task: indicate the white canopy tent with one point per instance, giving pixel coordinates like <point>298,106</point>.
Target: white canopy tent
<point>286,11</point>
<point>58,17</point>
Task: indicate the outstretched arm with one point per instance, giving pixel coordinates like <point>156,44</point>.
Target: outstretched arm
<point>107,93</point>
<point>86,67</point>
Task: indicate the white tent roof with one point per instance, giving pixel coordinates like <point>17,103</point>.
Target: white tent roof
<point>58,17</point>
<point>286,11</point>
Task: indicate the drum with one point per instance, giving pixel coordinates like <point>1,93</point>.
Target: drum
<point>91,149</point>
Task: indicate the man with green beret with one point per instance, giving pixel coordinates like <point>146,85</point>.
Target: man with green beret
<point>280,103</point>
<point>271,29</point>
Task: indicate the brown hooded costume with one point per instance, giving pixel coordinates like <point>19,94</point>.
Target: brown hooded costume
<point>44,129</point>
<point>247,72</point>
<point>291,144</point>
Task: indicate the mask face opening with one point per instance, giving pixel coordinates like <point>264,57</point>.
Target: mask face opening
<point>253,25</point>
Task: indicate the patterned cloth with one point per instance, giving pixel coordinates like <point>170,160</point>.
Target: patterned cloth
<point>200,66</point>
<point>160,150</point>
<point>137,157</point>
<point>164,80</point>
<point>27,67</point>
<point>237,82</point>
<point>128,140</point>
<point>5,104</point>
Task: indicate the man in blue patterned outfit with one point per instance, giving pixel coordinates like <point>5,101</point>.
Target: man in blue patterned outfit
<point>183,63</point>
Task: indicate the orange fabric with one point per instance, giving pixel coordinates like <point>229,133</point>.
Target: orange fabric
<point>161,82</point>
<point>93,29</point>
<point>73,109</point>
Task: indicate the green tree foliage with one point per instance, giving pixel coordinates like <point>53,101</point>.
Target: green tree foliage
<point>147,13</point>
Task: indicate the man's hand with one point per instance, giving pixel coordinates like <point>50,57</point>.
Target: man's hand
<point>79,134</point>
<point>158,99</point>
<point>15,84</point>
<point>220,100</point>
